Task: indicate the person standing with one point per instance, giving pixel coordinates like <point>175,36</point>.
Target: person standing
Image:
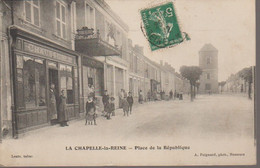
<point>63,114</point>
<point>125,106</point>
<point>90,111</point>
<point>171,94</point>
<point>141,98</point>
<point>105,99</point>
<point>53,105</point>
<point>112,106</point>
<point>130,101</point>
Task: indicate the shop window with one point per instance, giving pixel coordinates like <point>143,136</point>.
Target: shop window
<point>63,79</point>
<point>76,93</point>
<point>66,82</point>
<point>40,82</point>
<point>60,20</point>
<point>32,12</point>
<point>70,95</point>
<point>29,82</point>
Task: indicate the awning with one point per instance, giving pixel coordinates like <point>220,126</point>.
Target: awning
<point>90,62</point>
<point>96,47</point>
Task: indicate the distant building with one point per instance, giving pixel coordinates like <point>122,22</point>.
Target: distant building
<point>208,62</point>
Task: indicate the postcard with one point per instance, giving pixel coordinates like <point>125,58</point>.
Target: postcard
<point>127,82</point>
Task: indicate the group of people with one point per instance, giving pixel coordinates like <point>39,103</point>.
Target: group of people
<point>125,102</point>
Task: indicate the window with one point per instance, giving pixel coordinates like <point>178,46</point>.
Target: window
<point>30,82</point>
<point>207,86</point>
<point>32,12</point>
<point>40,82</point>
<point>208,60</point>
<point>66,82</point>
<point>60,20</point>
<point>208,75</point>
<point>90,17</point>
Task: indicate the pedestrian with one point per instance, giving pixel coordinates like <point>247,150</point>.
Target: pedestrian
<point>141,98</point>
<point>90,111</point>
<point>62,113</point>
<point>109,109</point>
<point>171,94</point>
<point>53,105</point>
<point>149,95</point>
<point>105,99</point>
<point>125,106</point>
<point>112,106</point>
<point>130,101</point>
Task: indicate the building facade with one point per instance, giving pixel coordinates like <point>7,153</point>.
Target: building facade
<point>77,46</point>
<point>38,53</point>
<point>107,44</point>
<point>208,62</point>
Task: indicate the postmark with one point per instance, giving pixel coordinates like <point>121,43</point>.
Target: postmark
<point>161,26</point>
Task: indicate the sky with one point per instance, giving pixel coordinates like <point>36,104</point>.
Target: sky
<point>229,25</point>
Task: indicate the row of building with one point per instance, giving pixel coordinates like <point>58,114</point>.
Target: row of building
<point>236,84</point>
<point>72,44</point>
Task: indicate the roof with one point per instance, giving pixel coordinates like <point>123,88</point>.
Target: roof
<point>208,47</point>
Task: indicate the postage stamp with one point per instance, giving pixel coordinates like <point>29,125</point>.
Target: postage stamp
<point>161,26</point>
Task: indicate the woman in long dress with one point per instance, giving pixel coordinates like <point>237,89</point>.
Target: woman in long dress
<point>63,114</point>
<point>53,106</point>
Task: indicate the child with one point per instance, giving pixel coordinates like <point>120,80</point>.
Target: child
<point>112,106</point>
<point>125,106</point>
<point>90,111</point>
<point>130,101</point>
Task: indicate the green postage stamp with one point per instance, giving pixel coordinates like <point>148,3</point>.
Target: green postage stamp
<point>161,26</point>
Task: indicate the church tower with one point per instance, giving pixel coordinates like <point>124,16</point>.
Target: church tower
<point>208,62</point>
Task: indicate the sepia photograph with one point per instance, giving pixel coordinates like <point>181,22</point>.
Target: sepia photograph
<point>127,82</point>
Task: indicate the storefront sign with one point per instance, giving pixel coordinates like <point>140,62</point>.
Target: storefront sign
<point>32,48</point>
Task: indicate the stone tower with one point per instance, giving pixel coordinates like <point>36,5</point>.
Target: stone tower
<point>208,62</point>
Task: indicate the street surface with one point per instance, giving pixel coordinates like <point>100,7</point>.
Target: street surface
<point>212,123</point>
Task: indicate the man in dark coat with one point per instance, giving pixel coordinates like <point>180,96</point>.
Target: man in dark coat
<point>130,101</point>
<point>105,99</point>
<point>171,94</point>
<point>62,113</point>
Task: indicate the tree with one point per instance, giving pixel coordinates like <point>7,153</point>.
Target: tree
<point>247,75</point>
<point>192,73</point>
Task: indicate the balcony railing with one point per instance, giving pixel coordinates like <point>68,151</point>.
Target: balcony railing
<point>89,42</point>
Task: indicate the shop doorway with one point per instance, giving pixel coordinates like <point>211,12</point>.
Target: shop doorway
<point>53,79</point>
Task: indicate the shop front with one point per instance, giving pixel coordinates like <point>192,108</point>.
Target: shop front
<point>92,80</point>
<point>41,71</point>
